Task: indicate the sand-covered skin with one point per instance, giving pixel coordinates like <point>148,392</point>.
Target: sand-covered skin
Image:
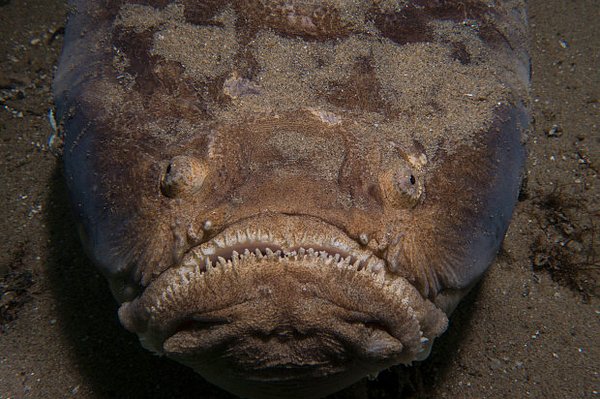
<point>519,334</point>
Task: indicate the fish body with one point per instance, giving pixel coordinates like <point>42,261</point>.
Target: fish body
<point>290,195</point>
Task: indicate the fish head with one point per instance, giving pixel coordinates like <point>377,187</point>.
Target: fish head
<point>281,282</point>
<point>293,260</point>
<point>292,204</point>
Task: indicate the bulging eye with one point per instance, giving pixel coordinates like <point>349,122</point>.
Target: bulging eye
<point>401,187</point>
<point>183,175</point>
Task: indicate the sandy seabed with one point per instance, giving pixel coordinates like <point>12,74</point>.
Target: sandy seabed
<point>531,328</point>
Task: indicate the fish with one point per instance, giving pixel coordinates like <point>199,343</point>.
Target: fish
<point>286,195</point>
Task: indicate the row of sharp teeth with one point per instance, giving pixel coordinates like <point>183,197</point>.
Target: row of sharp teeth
<point>204,264</point>
<point>239,237</point>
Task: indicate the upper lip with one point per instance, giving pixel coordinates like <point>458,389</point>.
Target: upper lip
<point>286,240</point>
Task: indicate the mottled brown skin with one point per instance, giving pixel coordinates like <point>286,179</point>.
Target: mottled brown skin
<point>272,203</point>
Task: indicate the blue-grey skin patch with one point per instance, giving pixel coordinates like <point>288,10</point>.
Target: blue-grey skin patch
<point>288,196</point>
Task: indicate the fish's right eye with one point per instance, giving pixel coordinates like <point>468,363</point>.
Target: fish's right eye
<point>400,186</point>
<point>183,175</point>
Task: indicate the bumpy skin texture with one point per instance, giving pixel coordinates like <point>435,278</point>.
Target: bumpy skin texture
<point>290,195</point>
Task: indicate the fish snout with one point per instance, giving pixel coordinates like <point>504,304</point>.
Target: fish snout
<point>298,328</point>
<point>283,305</point>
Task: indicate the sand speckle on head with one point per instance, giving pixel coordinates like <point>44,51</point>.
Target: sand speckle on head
<point>428,91</point>
<point>204,51</point>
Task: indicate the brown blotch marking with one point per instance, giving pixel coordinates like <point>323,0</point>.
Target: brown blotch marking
<point>202,12</point>
<point>157,78</point>
<point>454,10</point>
<point>136,48</point>
<point>412,24</point>
<point>112,7</point>
<point>183,97</point>
<point>152,3</point>
<point>169,76</point>
<point>246,65</point>
<point>310,22</point>
<point>151,72</point>
<point>360,91</point>
<point>407,26</point>
<point>215,92</point>
<point>460,53</point>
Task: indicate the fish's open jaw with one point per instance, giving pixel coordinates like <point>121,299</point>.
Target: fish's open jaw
<point>260,250</point>
<point>275,305</point>
<point>292,237</point>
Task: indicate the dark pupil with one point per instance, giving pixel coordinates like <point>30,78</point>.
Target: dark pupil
<point>412,179</point>
<point>169,169</point>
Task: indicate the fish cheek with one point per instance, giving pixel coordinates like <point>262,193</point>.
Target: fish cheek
<point>449,241</point>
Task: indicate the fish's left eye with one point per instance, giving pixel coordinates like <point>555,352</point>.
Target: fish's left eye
<point>183,175</point>
<point>401,187</point>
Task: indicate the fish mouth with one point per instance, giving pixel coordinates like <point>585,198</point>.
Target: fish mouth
<point>283,299</point>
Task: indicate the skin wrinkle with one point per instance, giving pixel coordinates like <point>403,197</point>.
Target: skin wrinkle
<point>392,127</point>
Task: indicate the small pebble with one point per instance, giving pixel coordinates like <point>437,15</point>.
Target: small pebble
<point>563,43</point>
<point>555,131</point>
<point>519,365</point>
